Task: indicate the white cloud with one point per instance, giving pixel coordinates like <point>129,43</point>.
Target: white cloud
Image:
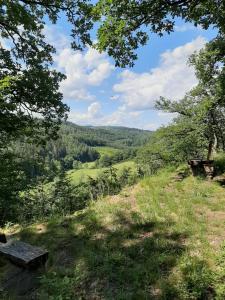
<point>89,117</point>
<point>120,118</point>
<point>187,27</point>
<point>83,70</point>
<point>151,126</point>
<point>55,37</point>
<point>95,116</point>
<point>172,79</point>
<point>94,110</point>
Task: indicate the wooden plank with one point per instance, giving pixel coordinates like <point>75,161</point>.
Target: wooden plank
<point>23,254</point>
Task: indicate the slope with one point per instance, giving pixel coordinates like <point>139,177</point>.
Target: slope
<point>159,240</point>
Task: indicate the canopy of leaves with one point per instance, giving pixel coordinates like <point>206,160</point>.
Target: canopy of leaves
<point>29,87</point>
<point>125,25</point>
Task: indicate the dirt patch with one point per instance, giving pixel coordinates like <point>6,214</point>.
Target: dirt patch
<point>216,241</point>
<point>146,235</point>
<point>210,215</point>
<point>215,215</point>
<point>128,195</point>
<point>41,228</point>
<point>214,221</point>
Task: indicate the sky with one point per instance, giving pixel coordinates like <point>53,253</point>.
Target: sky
<point>98,93</point>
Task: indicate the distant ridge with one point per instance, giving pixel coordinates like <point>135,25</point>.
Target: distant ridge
<point>115,136</point>
<point>108,127</point>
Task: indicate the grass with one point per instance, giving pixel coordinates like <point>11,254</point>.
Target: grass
<point>220,163</point>
<point>157,240</point>
<point>81,175</point>
<point>106,150</point>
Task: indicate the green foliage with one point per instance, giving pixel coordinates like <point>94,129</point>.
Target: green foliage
<point>104,150</point>
<point>75,145</point>
<point>219,163</point>
<point>201,111</point>
<point>26,57</point>
<point>124,25</point>
<point>12,181</point>
<point>62,197</point>
<point>56,287</point>
<point>108,160</point>
<point>171,145</point>
<point>90,170</point>
<point>113,137</point>
<point>197,279</point>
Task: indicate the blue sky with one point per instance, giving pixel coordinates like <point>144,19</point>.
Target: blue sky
<point>100,94</point>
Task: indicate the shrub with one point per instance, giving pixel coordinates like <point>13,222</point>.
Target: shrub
<point>219,163</point>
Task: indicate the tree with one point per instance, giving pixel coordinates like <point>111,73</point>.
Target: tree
<point>25,64</point>
<point>204,105</point>
<point>199,128</point>
<point>125,25</point>
<point>63,195</point>
<point>11,182</point>
<point>25,57</point>
<point>171,145</point>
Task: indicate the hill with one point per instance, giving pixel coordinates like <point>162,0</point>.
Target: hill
<point>114,136</point>
<point>161,239</point>
<point>76,145</point>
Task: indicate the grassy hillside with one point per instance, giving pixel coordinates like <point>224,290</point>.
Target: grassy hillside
<point>159,240</point>
<point>88,170</point>
<point>106,150</point>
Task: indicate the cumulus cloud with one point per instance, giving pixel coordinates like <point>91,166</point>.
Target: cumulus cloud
<point>120,118</point>
<point>93,113</point>
<point>95,116</point>
<point>172,79</point>
<point>83,70</point>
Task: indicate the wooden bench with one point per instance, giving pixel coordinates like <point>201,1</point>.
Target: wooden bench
<point>200,167</point>
<point>23,254</point>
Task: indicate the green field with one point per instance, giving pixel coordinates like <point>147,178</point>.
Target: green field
<point>106,150</point>
<point>160,239</point>
<point>81,175</point>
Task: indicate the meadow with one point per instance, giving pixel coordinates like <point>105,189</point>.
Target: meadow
<point>106,150</point>
<point>160,239</point>
<point>89,170</point>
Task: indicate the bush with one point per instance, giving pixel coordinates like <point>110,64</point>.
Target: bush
<point>219,163</point>
<point>62,197</point>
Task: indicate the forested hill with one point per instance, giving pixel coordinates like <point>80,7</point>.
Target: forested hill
<point>113,136</point>
<point>76,145</point>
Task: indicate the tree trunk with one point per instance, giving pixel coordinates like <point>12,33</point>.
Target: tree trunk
<point>212,147</point>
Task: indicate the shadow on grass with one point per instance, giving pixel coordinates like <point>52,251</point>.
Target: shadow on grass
<point>130,259</point>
